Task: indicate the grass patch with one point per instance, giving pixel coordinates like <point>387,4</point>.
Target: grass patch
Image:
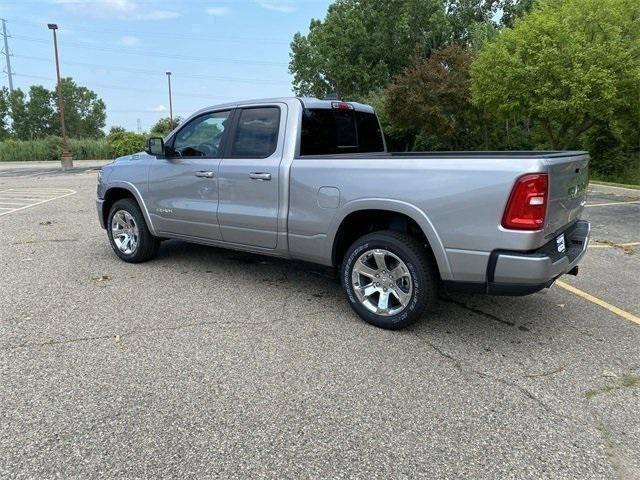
<point>628,381</point>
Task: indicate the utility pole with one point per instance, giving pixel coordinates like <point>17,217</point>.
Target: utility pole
<point>170,102</point>
<point>67,159</point>
<point>7,55</point>
<point>139,122</point>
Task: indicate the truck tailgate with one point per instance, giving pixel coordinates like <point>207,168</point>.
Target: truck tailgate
<point>568,179</point>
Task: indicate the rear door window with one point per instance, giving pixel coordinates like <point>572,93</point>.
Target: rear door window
<point>256,134</point>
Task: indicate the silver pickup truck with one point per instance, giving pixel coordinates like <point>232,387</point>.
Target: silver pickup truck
<point>311,180</point>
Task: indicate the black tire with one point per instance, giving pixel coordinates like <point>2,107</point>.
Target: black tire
<point>421,270</point>
<point>148,245</point>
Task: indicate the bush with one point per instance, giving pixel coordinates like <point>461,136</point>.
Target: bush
<point>50,148</point>
<point>125,143</point>
<point>90,149</point>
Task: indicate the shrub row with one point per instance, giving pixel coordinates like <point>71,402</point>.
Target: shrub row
<point>50,148</point>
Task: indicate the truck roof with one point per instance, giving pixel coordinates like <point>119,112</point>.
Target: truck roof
<point>307,102</point>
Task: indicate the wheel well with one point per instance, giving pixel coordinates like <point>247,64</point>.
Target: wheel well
<point>111,197</point>
<point>360,223</point>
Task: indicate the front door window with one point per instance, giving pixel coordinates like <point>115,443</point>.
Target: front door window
<point>202,136</point>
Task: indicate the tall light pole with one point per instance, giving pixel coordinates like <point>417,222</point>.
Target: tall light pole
<point>67,159</point>
<point>170,102</point>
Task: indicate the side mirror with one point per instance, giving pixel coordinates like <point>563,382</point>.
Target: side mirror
<point>155,146</point>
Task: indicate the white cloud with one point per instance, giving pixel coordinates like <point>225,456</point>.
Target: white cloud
<point>120,9</point>
<point>218,11</point>
<point>158,15</point>
<point>99,7</point>
<point>159,108</point>
<point>129,41</point>
<point>282,6</point>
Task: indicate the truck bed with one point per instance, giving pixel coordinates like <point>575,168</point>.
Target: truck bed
<point>459,197</point>
<point>531,154</point>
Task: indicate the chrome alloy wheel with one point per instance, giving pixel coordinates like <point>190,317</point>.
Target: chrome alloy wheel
<point>125,232</point>
<point>382,282</point>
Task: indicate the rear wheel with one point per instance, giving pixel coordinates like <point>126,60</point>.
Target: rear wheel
<point>128,233</point>
<point>389,279</point>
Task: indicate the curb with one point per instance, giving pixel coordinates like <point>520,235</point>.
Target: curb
<point>621,191</point>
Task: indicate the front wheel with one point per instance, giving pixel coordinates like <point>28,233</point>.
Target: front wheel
<point>389,279</point>
<point>128,234</point>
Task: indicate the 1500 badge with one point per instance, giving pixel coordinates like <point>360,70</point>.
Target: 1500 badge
<point>164,210</point>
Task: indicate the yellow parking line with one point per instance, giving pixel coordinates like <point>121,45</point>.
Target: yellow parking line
<point>612,308</point>
<point>613,203</point>
<point>606,245</point>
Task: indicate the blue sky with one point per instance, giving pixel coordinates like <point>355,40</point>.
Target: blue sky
<point>217,51</point>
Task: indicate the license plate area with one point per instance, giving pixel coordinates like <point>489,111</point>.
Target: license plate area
<point>561,244</point>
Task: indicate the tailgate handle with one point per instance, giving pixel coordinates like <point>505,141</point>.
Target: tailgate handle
<point>260,176</point>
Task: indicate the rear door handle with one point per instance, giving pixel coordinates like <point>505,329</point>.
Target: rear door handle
<point>260,176</point>
<point>205,174</point>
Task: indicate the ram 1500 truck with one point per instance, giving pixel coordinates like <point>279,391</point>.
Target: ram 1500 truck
<point>312,180</point>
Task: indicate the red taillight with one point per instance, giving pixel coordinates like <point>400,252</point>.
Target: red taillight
<point>527,205</point>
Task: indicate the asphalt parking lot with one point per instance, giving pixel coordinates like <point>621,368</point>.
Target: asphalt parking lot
<point>208,363</point>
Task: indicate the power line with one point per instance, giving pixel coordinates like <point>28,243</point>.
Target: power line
<point>154,72</point>
<point>186,36</point>
<point>152,54</point>
<point>7,54</point>
<point>128,89</point>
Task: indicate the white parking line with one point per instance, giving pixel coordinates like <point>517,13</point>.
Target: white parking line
<point>613,203</point>
<point>23,198</point>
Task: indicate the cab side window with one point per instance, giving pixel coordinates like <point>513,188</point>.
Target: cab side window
<point>202,136</point>
<point>256,135</point>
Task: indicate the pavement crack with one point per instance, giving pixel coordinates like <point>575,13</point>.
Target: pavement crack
<point>477,311</point>
<point>119,336</point>
<point>622,469</point>
<point>52,240</point>
<point>546,374</point>
<point>464,369</point>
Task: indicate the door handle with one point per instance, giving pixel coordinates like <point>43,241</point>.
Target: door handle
<point>205,174</point>
<point>260,176</point>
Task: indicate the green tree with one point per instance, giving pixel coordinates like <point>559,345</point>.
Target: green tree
<point>4,114</point>
<point>362,44</point>
<point>84,112</point>
<point>163,126</point>
<point>433,96</point>
<point>514,9</point>
<point>567,66</point>
<point>18,113</point>
<point>116,129</point>
<point>466,17</point>
<point>40,112</point>
<point>125,143</point>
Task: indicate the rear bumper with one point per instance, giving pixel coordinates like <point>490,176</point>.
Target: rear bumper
<point>523,273</point>
<point>99,207</point>
<point>513,273</point>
